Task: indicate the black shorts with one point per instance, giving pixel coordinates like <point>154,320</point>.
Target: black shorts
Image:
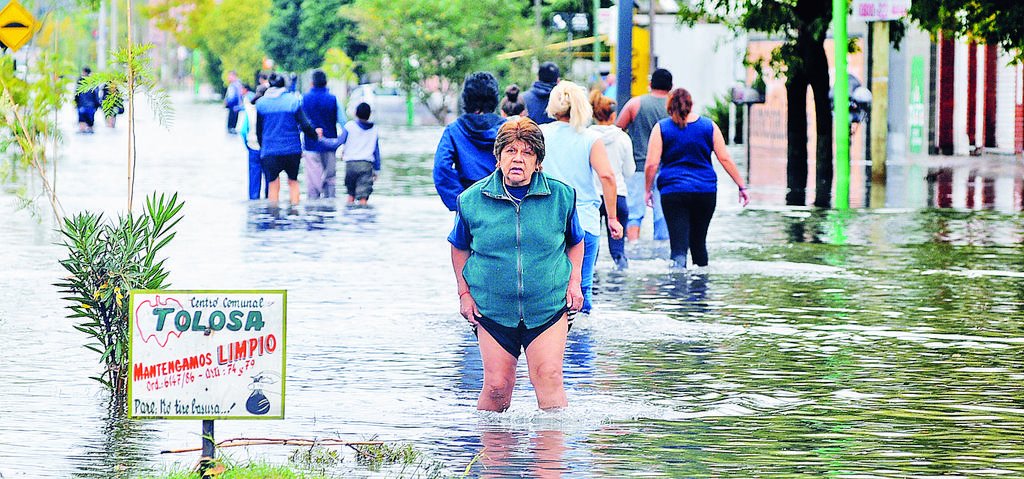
<point>517,339</point>
<point>86,115</point>
<point>273,165</point>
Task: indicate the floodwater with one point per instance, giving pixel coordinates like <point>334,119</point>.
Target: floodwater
<point>876,343</point>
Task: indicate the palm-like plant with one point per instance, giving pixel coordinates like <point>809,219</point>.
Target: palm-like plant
<point>106,260</point>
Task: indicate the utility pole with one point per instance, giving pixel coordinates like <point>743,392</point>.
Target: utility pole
<point>596,7</point>
<point>880,101</point>
<point>651,16</point>
<point>624,54</point>
<point>101,37</point>
<point>841,105</point>
<point>114,24</point>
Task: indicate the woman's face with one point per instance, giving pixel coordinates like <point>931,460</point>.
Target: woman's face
<point>518,162</point>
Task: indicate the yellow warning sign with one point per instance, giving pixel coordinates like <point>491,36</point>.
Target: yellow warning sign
<point>16,25</point>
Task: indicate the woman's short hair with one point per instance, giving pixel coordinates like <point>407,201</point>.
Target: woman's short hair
<point>512,104</point>
<point>277,80</point>
<point>680,104</point>
<point>603,106</point>
<point>570,99</point>
<point>480,93</point>
<point>524,129</point>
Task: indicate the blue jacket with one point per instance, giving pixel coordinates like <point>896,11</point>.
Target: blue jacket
<point>465,154</point>
<point>279,118</point>
<point>233,96</point>
<point>323,111</point>
<point>536,99</point>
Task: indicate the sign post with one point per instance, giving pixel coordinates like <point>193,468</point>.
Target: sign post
<point>207,355</point>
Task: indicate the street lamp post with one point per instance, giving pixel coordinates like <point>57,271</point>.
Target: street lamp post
<point>841,105</point>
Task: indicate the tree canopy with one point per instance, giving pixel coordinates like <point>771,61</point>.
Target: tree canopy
<point>994,22</point>
<point>227,33</point>
<point>420,40</point>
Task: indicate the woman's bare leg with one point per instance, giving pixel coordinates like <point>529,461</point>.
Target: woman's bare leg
<point>499,374</point>
<point>544,357</point>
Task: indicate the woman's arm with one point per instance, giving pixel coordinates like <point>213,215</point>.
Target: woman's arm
<point>446,177</point>
<point>467,305</point>
<point>653,162</point>
<point>574,293</point>
<point>599,162</point>
<point>730,166</point>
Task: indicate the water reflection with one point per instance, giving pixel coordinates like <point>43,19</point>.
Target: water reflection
<point>117,449</point>
<point>536,454</point>
<point>968,188</point>
<point>312,215</point>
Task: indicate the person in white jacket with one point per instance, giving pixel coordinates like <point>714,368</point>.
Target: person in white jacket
<point>620,155</point>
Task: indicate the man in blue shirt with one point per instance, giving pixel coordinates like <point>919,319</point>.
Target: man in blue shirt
<point>320,160</point>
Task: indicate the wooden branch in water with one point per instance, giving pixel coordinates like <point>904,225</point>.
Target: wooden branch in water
<point>263,441</point>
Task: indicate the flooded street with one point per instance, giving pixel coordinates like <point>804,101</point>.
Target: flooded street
<point>875,343</point>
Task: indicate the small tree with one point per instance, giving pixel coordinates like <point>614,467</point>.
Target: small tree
<point>132,75</point>
<point>28,116</point>
<point>105,262</point>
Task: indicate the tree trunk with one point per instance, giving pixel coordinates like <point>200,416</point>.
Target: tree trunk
<point>817,75</point>
<point>796,139</point>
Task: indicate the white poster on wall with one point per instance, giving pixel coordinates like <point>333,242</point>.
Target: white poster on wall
<point>207,354</point>
<point>880,10</point>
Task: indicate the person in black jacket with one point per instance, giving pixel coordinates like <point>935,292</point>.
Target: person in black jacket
<point>536,98</point>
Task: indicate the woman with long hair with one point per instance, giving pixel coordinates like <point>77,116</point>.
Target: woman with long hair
<point>681,146</point>
<point>620,156</point>
<point>575,155</point>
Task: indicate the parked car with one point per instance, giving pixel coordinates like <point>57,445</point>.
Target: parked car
<point>388,104</point>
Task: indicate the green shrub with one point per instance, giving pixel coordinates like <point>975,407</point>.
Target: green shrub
<point>106,260</point>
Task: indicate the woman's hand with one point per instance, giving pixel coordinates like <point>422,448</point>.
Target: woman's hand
<point>615,228</point>
<point>574,294</point>
<point>468,309</point>
<point>744,197</point>
<point>649,198</point>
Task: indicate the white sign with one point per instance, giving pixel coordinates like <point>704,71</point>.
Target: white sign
<point>207,354</point>
<point>608,24</point>
<point>880,10</point>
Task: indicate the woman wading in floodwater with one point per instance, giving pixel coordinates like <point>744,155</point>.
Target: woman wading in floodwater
<point>517,251</point>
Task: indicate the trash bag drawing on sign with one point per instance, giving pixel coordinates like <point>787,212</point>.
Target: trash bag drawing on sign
<point>258,403</point>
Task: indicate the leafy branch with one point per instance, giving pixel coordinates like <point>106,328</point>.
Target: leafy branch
<point>132,74</point>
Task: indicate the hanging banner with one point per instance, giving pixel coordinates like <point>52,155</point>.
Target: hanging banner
<point>207,354</point>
